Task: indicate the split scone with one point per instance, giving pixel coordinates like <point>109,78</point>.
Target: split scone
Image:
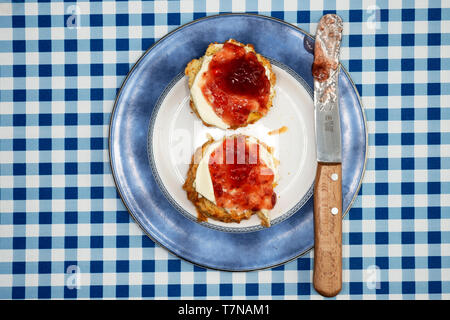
<point>231,85</point>
<point>233,178</point>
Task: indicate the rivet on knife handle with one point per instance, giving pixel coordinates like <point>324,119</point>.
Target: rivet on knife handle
<point>327,277</point>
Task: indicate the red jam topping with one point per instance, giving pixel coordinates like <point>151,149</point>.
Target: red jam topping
<point>240,179</point>
<point>236,84</point>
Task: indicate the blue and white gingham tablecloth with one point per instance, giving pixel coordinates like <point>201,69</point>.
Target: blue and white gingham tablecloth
<point>64,232</point>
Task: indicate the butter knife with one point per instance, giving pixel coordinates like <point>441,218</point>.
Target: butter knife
<point>327,276</point>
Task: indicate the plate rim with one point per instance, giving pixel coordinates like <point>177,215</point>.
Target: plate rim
<point>130,72</point>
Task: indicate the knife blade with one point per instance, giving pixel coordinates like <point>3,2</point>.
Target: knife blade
<point>327,276</point>
<point>326,72</point>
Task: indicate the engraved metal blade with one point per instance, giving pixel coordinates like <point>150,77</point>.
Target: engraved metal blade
<point>326,96</point>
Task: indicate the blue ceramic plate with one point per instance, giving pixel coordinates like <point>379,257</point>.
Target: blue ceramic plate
<point>151,115</point>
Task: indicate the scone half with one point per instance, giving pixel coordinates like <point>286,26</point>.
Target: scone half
<point>231,86</point>
<point>232,179</point>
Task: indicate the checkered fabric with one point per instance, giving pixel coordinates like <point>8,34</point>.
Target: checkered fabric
<point>64,232</point>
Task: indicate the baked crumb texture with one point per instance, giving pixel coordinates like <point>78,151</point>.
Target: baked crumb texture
<point>207,209</point>
<point>194,66</point>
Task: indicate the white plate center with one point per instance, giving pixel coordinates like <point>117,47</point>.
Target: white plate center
<point>176,133</point>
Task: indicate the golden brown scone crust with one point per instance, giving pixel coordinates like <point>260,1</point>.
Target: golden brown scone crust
<point>194,66</point>
<point>207,209</point>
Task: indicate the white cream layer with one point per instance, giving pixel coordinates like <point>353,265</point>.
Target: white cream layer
<point>203,106</point>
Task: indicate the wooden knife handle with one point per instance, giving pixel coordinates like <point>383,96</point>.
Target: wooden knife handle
<point>328,229</point>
